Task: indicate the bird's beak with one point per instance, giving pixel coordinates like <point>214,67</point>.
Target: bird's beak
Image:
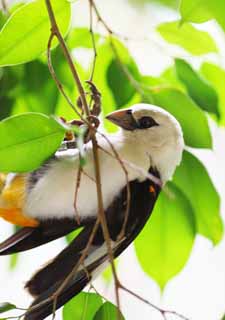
<point>123,119</point>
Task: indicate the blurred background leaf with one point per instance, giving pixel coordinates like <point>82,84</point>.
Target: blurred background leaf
<point>198,89</point>
<point>192,178</point>
<point>187,113</point>
<point>168,237</point>
<point>201,11</point>
<point>187,36</point>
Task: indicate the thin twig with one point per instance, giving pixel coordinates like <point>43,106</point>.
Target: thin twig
<point>55,30</point>
<point>78,181</point>
<point>118,158</point>
<point>53,74</point>
<point>80,261</point>
<point>93,40</point>
<point>162,311</point>
<point>133,166</point>
<point>4,6</point>
<point>53,297</point>
<point>137,86</point>
<point>103,221</point>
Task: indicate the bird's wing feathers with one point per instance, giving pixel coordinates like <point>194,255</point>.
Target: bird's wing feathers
<point>29,238</point>
<point>45,282</point>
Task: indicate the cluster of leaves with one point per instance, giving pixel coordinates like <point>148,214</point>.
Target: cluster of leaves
<point>86,305</point>
<point>192,205</point>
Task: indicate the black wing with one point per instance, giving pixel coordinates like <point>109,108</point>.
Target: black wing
<point>45,282</point>
<point>29,237</point>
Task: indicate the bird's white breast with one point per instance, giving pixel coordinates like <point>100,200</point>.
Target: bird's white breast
<point>53,195</point>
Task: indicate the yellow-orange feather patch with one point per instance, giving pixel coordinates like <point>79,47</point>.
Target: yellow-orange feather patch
<point>12,201</point>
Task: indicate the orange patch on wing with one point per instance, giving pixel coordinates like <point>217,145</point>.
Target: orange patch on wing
<point>152,190</point>
<point>16,216</point>
<point>2,180</point>
<point>13,194</point>
<point>12,201</point>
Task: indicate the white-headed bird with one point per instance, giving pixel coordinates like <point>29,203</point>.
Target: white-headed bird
<point>150,142</point>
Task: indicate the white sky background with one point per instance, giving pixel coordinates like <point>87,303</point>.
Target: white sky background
<point>199,290</point>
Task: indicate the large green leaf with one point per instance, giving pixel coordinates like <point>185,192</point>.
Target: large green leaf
<point>164,246</point>
<point>202,10</point>
<point>83,306</point>
<point>216,75</point>
<point>192,178</point>
<point>108,311</point>
<point>191,39</point>
<point>191,118</point>
<point>25,35</point>
<point>198,88</point>
<point>27,141</point>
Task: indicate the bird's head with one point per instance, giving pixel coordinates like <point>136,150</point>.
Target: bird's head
<point>150,124</point>
<point>154,128</point>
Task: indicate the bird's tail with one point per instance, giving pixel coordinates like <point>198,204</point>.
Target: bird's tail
<point>45,283</point>
<point>45,303</point>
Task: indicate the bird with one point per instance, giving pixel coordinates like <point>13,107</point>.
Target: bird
<point>149,143</point>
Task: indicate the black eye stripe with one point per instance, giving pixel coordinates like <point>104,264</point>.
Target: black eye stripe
<point>147,122</point>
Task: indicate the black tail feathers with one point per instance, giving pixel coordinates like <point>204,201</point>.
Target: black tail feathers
<point>44,304</point>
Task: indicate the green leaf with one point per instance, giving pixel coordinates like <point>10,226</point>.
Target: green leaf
<point>72,235</point>
<point>81,37</point>
<point>122,89</point>
<point>10,80</point>
<point>13,261</point>
<point>191,118</point>
<point>164,246</point>
<point>198,88</point>
<point>195,11</point>
<point>191,39</point>
<point>105,58</point>
<point>6,105</point>
<point>6,306</point>
<point>39,88</point>
<point>201,11</point>
<point>3,19</point>
<point>193,179</point>
<point>83,306</point>
<point>25,35</point>
<point>107,273</point>
<point>216,76</point>
<point>167,78</point>
<point>28,140</point>
<point>108,311</point>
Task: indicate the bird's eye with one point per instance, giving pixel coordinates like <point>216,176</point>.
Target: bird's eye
<point>147,122</point>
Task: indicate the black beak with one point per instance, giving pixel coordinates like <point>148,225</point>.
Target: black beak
<point>123,119</point>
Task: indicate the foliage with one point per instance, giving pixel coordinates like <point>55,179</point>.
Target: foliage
<point>89,306</point>
<point>190,204</point>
